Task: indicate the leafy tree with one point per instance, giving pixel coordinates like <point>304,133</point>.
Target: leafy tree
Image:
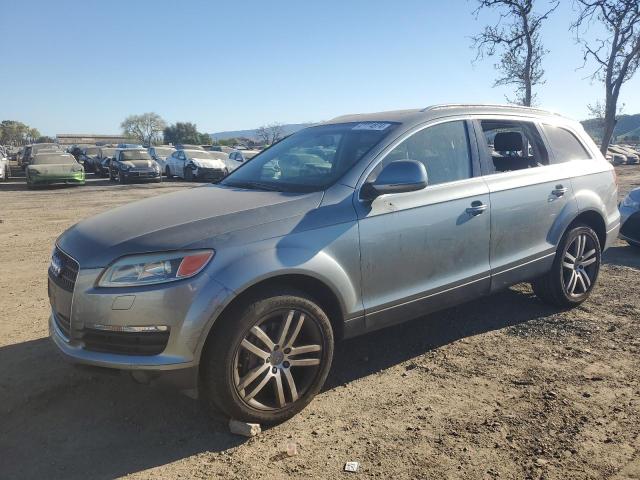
<point>145,128</point>
<point>13,132</point>
<point>185,132</point>
<point>517,36</point>
<point>616,54</point>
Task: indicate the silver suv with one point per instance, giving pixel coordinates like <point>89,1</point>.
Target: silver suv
<point>365,221</point>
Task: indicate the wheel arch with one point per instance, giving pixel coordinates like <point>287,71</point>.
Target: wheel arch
<point>327,298</point>
<point>595,221</point>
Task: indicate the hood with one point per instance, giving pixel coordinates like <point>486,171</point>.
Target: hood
<point>208,163</point>
<point>46,169</point>
<point>185,219</point>
<point>139,163</point>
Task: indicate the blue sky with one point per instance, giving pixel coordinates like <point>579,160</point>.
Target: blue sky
<point>82,66</point>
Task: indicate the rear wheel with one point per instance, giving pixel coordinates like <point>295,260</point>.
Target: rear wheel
<point>121,178</point>
<point>575,269</point>
<point>268,358</point>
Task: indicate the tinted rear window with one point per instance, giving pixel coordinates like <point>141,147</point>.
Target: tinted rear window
<point>565,145</point>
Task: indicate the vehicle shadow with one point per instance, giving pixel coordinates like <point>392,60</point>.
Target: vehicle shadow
<point>623,255</point>
<point>61,421</point>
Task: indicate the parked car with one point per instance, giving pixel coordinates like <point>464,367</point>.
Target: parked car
<point>197,165</point>
<point>54,167</point>
<point>5,169</point>
<point>631,158</point>
<point>131,164</point>
<point>242,287</point>
<point>243,155</point>
<point>160,153</point>
<point>31,150</point>
<point>615,158</point>
<point>89,157</point>
<point>630,218</point>
<point>105,155</point>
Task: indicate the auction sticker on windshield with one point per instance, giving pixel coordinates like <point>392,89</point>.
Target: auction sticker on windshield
<point>371,126</point>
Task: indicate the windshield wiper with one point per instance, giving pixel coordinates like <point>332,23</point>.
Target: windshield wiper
<point>255,186</point>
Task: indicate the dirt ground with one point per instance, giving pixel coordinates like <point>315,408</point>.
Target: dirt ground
<point>504,387</point>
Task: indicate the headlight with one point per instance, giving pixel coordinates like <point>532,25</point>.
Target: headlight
<point>630,202</point>
<point>124,167</point>
<point>77,168</point>
<point>155,268</point>
<point>33,171</point>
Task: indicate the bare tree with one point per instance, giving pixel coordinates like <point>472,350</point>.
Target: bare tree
<point>516,37</point>
<point>617,56</point>
<point>269,134</point>
<point>145,128</point>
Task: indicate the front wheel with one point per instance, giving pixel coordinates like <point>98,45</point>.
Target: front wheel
<point>167,172</point>
<point>575,269</point>
<point>188,174</point>
<point>268,357</point>
<point>121,178</point>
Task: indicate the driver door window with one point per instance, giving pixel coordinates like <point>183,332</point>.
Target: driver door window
<point>444,149</point>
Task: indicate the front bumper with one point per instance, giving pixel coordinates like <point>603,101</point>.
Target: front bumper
<point>76,178</point>
<point>630,224</point>
<point>141,174</point>
<point>209,174</point>
<point>188,308</point>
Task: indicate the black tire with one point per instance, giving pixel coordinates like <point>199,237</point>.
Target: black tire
<point>224,359</point>
<point>188,174</point>
<point>122,180</point>
<point>167,172</point>
<point>555,286</point>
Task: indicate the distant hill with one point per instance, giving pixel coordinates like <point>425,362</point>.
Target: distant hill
<point>627,126</point>
<point>288,130</point>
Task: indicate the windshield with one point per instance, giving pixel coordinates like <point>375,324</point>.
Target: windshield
<point>311,159</point>
<point>132,155</point>
<point>108,152</point>
<point>43,146</point>
<point>164,151</point>
<point>202,155</point>
<point>53,159</point>
<point>92,151</point>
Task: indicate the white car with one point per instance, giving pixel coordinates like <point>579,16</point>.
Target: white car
<point>197,165</point>
<point>160,154</point>
<point>5,170</point>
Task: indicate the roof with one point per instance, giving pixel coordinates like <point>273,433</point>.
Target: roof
<point>421,115</point>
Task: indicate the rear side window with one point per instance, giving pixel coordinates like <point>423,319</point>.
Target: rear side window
<point>443,149</point>
<point>565,145</point>
<point>513,145</point>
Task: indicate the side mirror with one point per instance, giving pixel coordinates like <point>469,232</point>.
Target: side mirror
<point>397,177</point>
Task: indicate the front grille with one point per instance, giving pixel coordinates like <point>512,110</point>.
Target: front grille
<point>125,343</point>
<point>66,278</point>
<point>210,173</point>
<point>631,228</point>
<point>63,324</point>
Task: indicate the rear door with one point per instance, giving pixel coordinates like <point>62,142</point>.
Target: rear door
<point>530,195</point>
<point>424,250</point>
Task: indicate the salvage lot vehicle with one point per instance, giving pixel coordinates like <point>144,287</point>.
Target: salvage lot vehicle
<point>258,274</point>
<point>54,167</point>
<point>630,218</point>
<point>105,155</point>
<point>31,150</point>
<point>160,153</point>
<point>630,155</point>
<point>197,165</point>
<point>90,158</point>
<point>131,164</point>
<point>5,169</point>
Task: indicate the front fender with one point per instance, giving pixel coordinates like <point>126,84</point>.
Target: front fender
<point>328,255</point>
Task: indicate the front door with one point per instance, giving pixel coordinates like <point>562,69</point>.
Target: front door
<point>425,250</point>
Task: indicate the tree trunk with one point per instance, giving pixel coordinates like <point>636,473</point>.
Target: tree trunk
<point>609,121</point>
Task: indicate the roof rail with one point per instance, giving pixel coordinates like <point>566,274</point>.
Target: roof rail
<point>486,105</point>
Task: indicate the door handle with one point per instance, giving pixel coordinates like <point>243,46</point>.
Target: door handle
<point>559,191</point>
<point>476,208</point>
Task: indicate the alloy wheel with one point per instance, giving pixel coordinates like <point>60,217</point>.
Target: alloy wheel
<point>579,265</point>
<point>278,360</point>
